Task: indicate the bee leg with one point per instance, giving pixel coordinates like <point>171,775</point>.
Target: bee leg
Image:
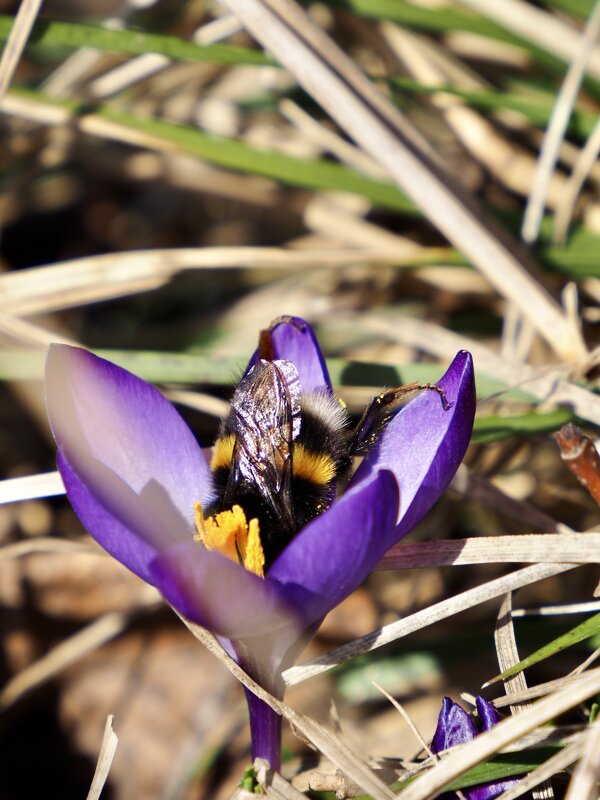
<point>381,409</point>
<point>266,351</point>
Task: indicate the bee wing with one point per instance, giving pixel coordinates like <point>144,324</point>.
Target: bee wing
<point>265,418</point>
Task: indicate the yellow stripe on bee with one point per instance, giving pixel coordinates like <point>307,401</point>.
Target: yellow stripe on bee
<point>222,452</point>
<point>316,468</point>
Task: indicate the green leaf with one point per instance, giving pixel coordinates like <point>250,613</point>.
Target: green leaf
<point>537,108</point>
<point>234,154</point>
<point>75,34</point>
<point>208,367</point>
<point>585,630</point>
<point>578,258</point>
<point>578,8</point>
<point>444,19</point>
<point>248,781</point>
<point>506,765</point>
<point>439,20</point>
<point>495,428</point>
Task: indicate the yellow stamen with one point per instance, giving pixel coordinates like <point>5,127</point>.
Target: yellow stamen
<point>233,536</point>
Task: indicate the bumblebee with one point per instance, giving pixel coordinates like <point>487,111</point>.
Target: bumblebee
<point>281,452</point>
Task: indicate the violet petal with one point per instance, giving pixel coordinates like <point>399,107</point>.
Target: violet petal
<point>130,462</point>
<point>487,713</point>
<point>454,727</point>
<point>127,544</point>
<point>221,595</point>
<point>424,444</point>
<point>488,791</point>
<point>335,552</point>
<point>294,340</point>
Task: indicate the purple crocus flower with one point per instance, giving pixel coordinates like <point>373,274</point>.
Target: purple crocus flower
<point>136,476</point>
<point>456,727</point>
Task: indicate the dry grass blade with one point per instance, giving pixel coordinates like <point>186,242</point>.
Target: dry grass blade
<point>587,607</point>
<point>48,545</point>
<point>330,745</point>
<point>479,488</point>
<point>556,130</point>
<point>508,656</point>
<point>539,27</point>
<point>538,691</point>
<point>406,717</point>
<point>490,742</point>
<point>583,166</point>
<point>48,484</point>
<point>552,766</point>
<point>584,783</point>
<point>273,785</point>
<point>536,548</point>
<point>66,653</point>
<point>431,338</point>
<point>338,752</point>
<point>107,753</point>
<point>421,619</point>
<point>507,653</point>
<point>19,34</point>
<point>199,401</point>
<point>85,280</point>
<point>29,333</point>
<point>128,74</point>
<point>335,82</point>
<point>328,140</point>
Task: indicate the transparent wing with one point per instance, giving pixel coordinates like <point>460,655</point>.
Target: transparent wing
<point>265,418</point>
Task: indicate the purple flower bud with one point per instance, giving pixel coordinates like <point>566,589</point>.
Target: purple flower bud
<point>456,727</point>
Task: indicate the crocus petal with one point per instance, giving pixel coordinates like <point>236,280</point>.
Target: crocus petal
<point>488,791</point>
<point>424,444</point>
<point>487,713</point>
<point>293,339</point>
<point>127,544</point>
<point>221,595</point>
<point>454,727</point>
<point>131,465</point>
<point>335,552</point>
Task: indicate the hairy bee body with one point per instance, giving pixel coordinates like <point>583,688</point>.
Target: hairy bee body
<point>280,452</point>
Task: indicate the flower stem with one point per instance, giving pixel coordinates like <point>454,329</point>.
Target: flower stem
<point>265,730</point>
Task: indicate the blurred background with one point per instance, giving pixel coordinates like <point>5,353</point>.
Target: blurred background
<point>161,126</point>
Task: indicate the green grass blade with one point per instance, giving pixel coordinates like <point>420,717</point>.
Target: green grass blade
<point>444,19</point>
<point>536,108</point>
<point>74,35</point>
<point>234,154</point>
<point>579,258</point>
<point>207,367</point>
<point>493,429</point>
<point>578,8</point>
<point>581,632</point>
